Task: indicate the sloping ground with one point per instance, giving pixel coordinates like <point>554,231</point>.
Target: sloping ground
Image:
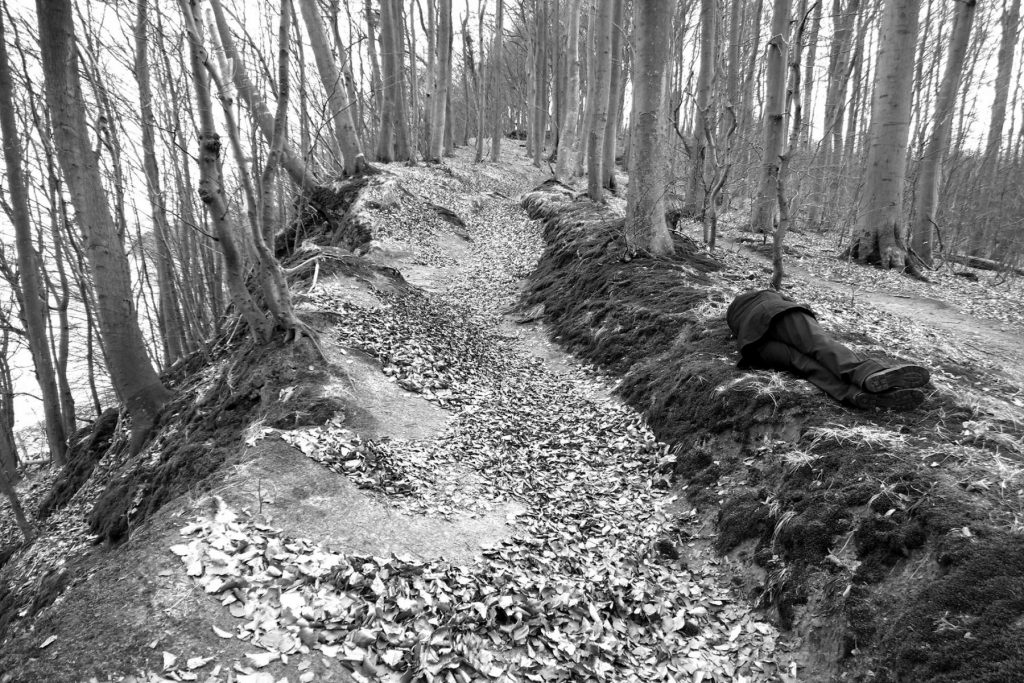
<point>892,543</point>
<point>443,497</point>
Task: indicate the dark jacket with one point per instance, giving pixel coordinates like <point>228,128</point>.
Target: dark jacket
<point>751,314</point>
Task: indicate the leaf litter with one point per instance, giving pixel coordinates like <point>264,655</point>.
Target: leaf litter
<point>591,585</point>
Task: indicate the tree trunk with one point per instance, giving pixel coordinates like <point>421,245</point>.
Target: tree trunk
<point>438,115</point>
<point>334,84</point>
<point>764,206</point>
<point>258,109</point>
<point>497,97</point>
<point>131,373</point>
<point>567,136</point>
<point>371,49</point>
<point>808,80</point>
<point>879,232</point>
<point>702,121</point>
<point>1004,69</point>
<point>930,173</point>
<point>540,103</point>
<point>210,188</point>
<point>33,296</point>
<point>615,90</point>
<point>393,143</point>
<point>602,57</point>
<point>172,325</point>
<point>646,229</point>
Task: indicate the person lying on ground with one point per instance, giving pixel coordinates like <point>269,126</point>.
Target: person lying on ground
<point>775,332</point>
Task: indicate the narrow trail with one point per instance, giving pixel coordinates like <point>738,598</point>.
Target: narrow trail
<point>605,575</point>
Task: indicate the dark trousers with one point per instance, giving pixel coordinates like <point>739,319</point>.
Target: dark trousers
<point>797,343</point>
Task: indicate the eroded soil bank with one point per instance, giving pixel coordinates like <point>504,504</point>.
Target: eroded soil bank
<point>890,543</point>
<point>443,495</point>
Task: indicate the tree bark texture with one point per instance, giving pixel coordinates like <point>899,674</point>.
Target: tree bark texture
<point>703,118</point>
<point>258,109</point>
<point>438,115</point>
<point>131,372</point>
<point>930,174</point>
<point>497,96</point>
<point>1004,69</point>
<point>646,229</point>
<point>334,84</point>
<point>615,88</point>
<point>878,236</point>
<point>570,116</point>
<point>33,296</point>
<point>602,57</point>
<point>763,207</point>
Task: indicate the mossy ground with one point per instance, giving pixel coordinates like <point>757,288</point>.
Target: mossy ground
<point>840,506</point>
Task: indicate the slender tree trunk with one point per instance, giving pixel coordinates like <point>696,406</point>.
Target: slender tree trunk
<point>583,129</point>
<point>438,117</point>
<point>698,185</point>
<point>34,299</point>
<point>1007,46</point>
<point>567,136</point>
<point>540,102</point>
<point>615,88</point>
<point>334,84</point>
<point>497,96</point>
<point>602,81</point>
<point>371,49</point>
<point>133,377</point>
<point>258,109</point>
<point>879,236</point>
<point>210,188</point>
<point>930,174</point>
<point>646,229</point>
<point>171,322</point>
<point>764,206</point>
<point>808,81</point>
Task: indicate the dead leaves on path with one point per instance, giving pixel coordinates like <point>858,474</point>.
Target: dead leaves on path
<point>507,617</point>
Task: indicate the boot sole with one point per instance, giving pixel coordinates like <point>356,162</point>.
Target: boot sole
<point>900,377</point>
<point>896,399</point>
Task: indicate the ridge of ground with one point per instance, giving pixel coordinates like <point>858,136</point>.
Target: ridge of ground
<point>500,516</point>
<point>859,530</point>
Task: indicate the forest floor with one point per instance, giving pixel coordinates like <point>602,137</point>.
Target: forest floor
<point>481,505</point>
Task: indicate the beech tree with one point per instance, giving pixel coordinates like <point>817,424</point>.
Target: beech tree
<point>598,121</point>
<point>930,175</point>
<point>763,208</point>
<point>567,134</point>
<point>646,230</point>
<point>33,295</point>
<point>337,96</point>
<point>438,117</point>
<point>879,233</point>
<point>497,96</point>
<point>131,372</point>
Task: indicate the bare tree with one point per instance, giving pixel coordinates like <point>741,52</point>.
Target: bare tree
<point>602,57</point>
<point>438,115</point>
<point>132,374</point>
<point>646,230</point>
<point>497,98</point>
<point>764,205</point>
<point>337,95</point>
<point>930,174</point>
<point>567,135</point>
<point>33,296</point>
<point>879,236</point>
